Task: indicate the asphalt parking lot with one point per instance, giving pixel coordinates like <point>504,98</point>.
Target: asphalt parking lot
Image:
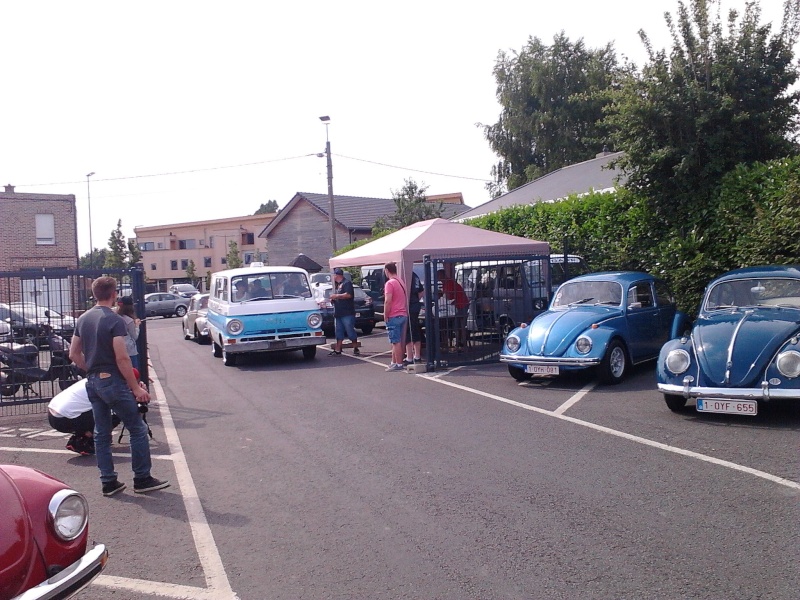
<point>333,478</point>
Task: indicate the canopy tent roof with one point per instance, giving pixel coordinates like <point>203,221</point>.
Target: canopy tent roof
<point>439,238</point>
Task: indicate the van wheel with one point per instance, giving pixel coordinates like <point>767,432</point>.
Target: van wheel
<point>366,329</point>
<point>309,352</point>
<point>216,350</point>
<point>228,359</point>
<point>675,403</point>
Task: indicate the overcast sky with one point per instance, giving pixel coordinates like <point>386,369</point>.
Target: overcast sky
<point>193,110</point>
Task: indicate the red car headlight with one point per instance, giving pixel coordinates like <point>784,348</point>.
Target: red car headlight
<point>69,514</point>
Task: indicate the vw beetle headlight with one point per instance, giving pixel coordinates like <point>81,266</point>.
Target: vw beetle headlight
<point>235,326</point>
<point>677,361</point>
<point>69,513</point>
<point>788,363</point>
<point>314,320</point>
<point>583,345</point>
<point>513,343</point>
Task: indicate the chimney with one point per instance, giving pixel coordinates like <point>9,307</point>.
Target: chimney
<point>9,188</point>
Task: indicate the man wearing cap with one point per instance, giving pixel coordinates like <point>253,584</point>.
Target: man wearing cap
<point>344,312</point>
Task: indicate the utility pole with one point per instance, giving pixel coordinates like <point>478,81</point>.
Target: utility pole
<point>326,119</point>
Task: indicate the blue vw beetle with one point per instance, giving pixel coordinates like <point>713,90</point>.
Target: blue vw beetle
<point>603,320</point>
<point>743,348</point>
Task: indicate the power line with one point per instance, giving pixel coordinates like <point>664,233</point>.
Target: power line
<point>251,164</point>
<point>410,169</point>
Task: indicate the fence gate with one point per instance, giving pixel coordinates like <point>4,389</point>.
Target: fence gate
<point>34,305</point>
<point>472,303</point>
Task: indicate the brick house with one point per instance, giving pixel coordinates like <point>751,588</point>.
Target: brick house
<point>37,231</point>
<point>167,249</point>
<point>303,227</point>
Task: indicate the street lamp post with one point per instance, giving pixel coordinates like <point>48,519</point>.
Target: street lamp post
<point>89,199</point>
<point>326,119</point>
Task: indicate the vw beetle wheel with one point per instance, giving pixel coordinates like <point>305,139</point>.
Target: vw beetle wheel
<point>614,364</point>
<point>518,373</point>
<point>675,403</point>
<point>309,352</point>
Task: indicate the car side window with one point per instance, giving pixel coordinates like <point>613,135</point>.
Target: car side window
<point>663,295</point>
<point>640,295</point>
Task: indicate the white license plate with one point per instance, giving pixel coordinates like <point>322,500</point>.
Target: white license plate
<point>732,407</point>
<point>541,370</point>
<point>358,314</point>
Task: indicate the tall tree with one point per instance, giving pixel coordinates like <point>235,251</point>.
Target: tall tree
<point>117,256</point>
<point>191,272</point>
<point>232,259</point>
<point>97,258</point>
<point>719,98</point>
<point>411,205</point>
<point>134,254</point>
<point>270,206</point>
<point>552,100</point>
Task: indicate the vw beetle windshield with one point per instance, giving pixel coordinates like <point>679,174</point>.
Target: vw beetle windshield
<point>753,292</point>
<point>588,292</point>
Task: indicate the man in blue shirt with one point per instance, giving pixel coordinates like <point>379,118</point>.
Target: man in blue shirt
<point>344,312</point>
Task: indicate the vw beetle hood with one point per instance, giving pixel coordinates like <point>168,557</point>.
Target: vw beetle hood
<point>756,334</point>
<point>558,329</point>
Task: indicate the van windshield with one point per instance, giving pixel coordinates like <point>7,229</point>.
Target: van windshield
<point>270,286</point>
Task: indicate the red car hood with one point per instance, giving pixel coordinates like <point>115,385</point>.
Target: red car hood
<point>17,547</point>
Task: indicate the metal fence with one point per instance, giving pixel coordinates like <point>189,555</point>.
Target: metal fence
<point>472,303</point>
<point>38,311</point>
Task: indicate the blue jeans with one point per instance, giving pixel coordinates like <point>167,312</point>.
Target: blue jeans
<point>346,327</point>
<point>396,327</point>
<point>112,393</point>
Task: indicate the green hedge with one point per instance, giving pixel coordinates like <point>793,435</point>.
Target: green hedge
<point>754,220</point>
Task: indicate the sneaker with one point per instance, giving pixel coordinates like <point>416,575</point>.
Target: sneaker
<point>334,353</point>
<point>149,484</point>
<point>356,352</point>
<point>417,361</point>
<point>112,487</point>
<point>394,367</point>
<point>72,444</point>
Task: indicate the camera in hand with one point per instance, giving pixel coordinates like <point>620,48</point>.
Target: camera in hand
<point>142,407</point>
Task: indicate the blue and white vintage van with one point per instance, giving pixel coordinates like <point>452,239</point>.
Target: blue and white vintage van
<point>262,309</point>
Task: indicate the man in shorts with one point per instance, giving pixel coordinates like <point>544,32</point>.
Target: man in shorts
<point>395,312</point>
<point>344,312</point>
<point>98,347</point>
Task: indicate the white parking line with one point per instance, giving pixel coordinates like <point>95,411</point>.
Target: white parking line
<point>633,438</point>
<point>576,397</point>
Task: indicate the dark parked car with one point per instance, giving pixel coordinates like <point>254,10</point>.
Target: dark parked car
<point>165,305</point>
<point>365,314</point>
<point>744,348</point>
<point>63,325</point>
<point>43,537</point>
<point>23,329</point>
<point>603,320</point>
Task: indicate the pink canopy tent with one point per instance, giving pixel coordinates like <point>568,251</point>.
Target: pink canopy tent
<point>439,238</point>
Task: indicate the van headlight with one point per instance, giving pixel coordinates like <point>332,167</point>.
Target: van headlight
<point>583,345</point>
<point>69,513</point>
<point>314,320</point>
<point>235,326</point>
<point>513,343</point>
<point>788,363</point>
<point>677,361</point>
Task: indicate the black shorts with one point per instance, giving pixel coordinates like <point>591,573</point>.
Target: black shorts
<point>413,328</point>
